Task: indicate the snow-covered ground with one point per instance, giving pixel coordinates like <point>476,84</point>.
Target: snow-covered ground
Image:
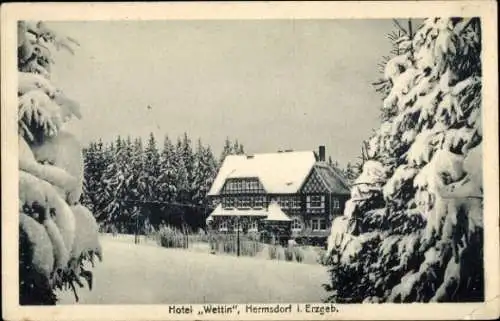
<point>145,274</point>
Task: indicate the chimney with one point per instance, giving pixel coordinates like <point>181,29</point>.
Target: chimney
<point>321,153</point>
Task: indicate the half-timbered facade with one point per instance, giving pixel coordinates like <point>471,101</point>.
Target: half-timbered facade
<point>297,187</point>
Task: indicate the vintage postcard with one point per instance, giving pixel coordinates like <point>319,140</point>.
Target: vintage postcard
<point>250,161</point>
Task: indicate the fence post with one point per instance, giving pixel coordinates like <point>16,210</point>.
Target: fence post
<point>136,228</point>
<point>237,236</point>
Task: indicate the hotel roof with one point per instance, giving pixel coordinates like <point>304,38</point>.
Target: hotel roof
<point>279,173</point>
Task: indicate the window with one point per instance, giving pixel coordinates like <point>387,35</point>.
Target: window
<point>295,202</point>
<point>223,226</point>
<point>238,227</point>
<point>237,202</point>
<point>258,202</point>
<point>228,202</point>
<point>245,202</point>
<point>296,224</point>
<point>317,201</point>
<point>314,225</point>
<point>318,224</point>
<point>336,203</point>
<point>284,202</point>
<point>322,224</point>
<point>253,226</point>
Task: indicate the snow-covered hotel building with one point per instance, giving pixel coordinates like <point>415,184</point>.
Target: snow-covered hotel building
<point>297,188</point>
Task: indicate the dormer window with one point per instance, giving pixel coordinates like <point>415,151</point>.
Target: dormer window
<point>242,186</point>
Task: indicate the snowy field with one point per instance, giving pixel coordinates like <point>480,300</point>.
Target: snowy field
<point>148,274</point>
<point>310,254</point>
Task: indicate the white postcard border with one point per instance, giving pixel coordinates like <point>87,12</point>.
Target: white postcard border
<point>257,10</point>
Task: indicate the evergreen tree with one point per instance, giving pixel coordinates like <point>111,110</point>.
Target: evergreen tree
<point>138,163</point>
<point>151,169</point>
<point>227,150</point>
<point>57,235</point>
<point>167,179</point>
<point>237,148</point>
<point>115,185</point>
<point>205,172</point>
<point>334,164</point>
<point>413,228</point>
<point>133,180</point>
<point>188,159</point>
<point>94,166</point>
<point>351,172</point>
<point>181,173</point>
<point>89,176</point>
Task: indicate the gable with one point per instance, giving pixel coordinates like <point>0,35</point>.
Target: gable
<point>334,181</point>
<point>314,184</point>
<point>324,179</point>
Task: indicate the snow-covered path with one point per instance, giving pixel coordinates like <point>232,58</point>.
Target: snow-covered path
<point>145,274</point>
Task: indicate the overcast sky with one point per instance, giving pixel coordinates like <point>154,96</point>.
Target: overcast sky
<point>276,84</point>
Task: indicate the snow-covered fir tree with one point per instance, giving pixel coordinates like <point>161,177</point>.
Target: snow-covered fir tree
<point>58,235</point>
<point>238,148</point>
<point>151,170</point>
<point>188,159</point>
<point>130,180</point>
<point>234,148</point>
<point>115,184</point>
<point>95,163</point>
<point>136,181</point>
<point>205,172</point>
<point>226,150</point>
<point>181,172</point>
<point>413,228</point>
<point>167,187</point>
<point>137,163</point>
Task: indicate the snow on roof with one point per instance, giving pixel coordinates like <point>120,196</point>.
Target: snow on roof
<point>220,211</point>
<point>272,213</point>
<point>279,173</point>
<point>276,214</point>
